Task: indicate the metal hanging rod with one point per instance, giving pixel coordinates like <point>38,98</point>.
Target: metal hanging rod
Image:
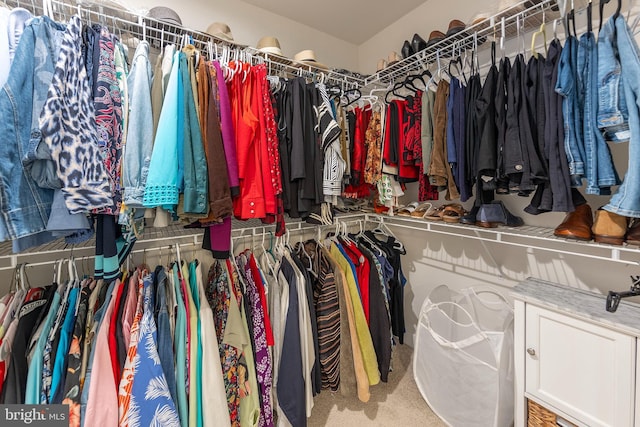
<point>172,235</point>
<point>131,28</point>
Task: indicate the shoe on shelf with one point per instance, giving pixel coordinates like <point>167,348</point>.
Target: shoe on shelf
<point>382,64</point>
<point>435,214</point>
<point>407,50</point>
<point>435,37</point>
<point>455,26</point>
<point>577,224</point>
<point>418,43</point>
<point>479,23</point>
<point>393,58</point>
<point>407,210</point>
<point>633,233</point>
<point>470,217</point>
<point>453,213</point>
<point>493,214</point>
<point>609,227</point>
<point>423,209</point>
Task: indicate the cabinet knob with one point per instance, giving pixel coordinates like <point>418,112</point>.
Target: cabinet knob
<point>531,352</point>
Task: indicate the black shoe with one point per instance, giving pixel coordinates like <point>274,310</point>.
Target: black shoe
<point>470,218</point>
<point>418,43</point>
<point>495,213</point>
<point>407,50</point>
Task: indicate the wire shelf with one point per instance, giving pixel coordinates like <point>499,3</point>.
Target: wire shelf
<point>516,20</point>
<point>131,28</point>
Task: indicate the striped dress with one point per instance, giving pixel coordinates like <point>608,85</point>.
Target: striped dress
<point>325,298</point>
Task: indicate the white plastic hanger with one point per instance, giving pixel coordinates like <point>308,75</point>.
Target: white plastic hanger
<point>502,36</point>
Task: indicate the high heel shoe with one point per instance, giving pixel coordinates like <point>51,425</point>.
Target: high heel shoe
<point>418,43</point>
<point>406,50</point>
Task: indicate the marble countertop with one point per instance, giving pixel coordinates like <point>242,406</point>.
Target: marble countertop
<point>579,303</point>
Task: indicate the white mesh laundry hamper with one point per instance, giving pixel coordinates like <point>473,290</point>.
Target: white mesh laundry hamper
<point>463,357</point>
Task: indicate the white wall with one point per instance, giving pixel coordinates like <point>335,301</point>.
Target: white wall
<point>249,23</point>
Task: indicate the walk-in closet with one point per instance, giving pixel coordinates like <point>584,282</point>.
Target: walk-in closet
<point>363,213</point>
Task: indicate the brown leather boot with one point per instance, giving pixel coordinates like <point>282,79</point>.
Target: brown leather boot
<point>609,227</point>
<point>633,233</point>
<point>577,224</point>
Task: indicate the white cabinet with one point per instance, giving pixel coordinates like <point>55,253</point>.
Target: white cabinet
<point>580,368</point>
<point>575,358</point>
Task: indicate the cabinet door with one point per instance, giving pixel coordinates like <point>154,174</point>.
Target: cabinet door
<point>581,369</point>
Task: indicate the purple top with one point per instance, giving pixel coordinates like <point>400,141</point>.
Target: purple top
<point>228,132</point>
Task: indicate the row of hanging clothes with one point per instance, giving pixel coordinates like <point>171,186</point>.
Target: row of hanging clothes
<point>250,344</point>
<point>107,133</point>
<point>534,126</point>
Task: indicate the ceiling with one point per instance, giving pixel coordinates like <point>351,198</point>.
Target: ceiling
<point>354,21</point>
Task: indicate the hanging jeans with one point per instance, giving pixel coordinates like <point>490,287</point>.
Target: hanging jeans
<point>599,169</point>
<point>613,116</point>
<point>627,200</point>
<point>567,86</point>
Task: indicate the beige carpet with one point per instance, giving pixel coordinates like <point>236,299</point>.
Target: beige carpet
<point>395,403</point>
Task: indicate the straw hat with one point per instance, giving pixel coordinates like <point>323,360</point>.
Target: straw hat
<point>221,31</point>
<point>269,44</point>
<point>308,57</point>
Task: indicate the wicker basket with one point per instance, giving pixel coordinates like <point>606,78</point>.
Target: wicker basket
<point>539,416</point>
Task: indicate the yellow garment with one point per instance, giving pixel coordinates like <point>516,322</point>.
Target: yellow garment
<point>344,298</point>
<point>364,336</point>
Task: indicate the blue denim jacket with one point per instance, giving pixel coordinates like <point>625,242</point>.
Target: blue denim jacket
<point>137,153</point>
<point>600,172</point>
<point>626,201</point>
<point>613,116</point>
<point>25,206</point>
<point>568,86</point>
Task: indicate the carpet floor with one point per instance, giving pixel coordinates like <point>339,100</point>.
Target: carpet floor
<point>395,403</point>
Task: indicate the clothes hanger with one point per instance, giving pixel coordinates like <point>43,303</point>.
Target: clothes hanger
<point>267,255</point>
<point>502,36</point>
<point>571,20</point>
<point>357,94</point>
<point>541,32</point>
<point>363,236</point>
<point>615,15</point>
<point>520,35</point>
<point>457,62</point>
<point>403,84</point>
<point>589,17</point>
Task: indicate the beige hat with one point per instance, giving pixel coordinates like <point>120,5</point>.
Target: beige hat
<point>309,57</point>
<point>221,31</point>
<point>165,14</point>
<point>269,44</point>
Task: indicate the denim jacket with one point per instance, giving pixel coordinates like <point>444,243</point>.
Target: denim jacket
<point>137,153</point>
<point>626,201</point>
<point>613,116</point>
<point>568,86</point>
<point>599,168</point>
<point>25,206</point>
